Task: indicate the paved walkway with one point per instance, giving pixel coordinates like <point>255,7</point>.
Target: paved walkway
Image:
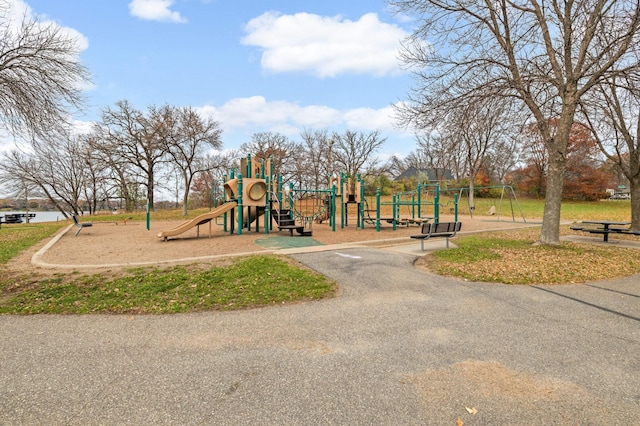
<point>398,347</point>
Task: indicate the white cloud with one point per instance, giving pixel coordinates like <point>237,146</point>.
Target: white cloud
<point>370,118</point>
<point>79,127</point>
<point>325,46</point>
<point>18,9</point>
<point>155,10</point>
<point>256,114</point>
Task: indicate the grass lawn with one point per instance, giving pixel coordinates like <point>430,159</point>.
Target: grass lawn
<point>239,284</point>
<point>244,283</point>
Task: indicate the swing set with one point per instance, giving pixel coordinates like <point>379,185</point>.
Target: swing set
<point>507,193</point>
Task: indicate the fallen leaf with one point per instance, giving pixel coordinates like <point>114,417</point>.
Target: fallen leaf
<point>472,410</point>
<point>459,422</point>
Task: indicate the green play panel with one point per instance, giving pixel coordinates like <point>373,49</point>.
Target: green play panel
<point>280,242</point>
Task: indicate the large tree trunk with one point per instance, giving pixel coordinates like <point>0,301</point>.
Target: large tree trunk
<point>557,150</point>
<point>550,233</point>
<point>150,189</point>
<point>185,200</point>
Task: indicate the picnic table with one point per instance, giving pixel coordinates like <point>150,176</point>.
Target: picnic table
<point>604,227</point>
<point>15,217</point>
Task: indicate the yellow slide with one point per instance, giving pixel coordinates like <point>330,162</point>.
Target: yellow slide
<point>198,220</point>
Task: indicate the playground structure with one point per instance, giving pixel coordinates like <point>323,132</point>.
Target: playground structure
<point>253,192</point>
<point>246,200</point>
<point>422,205</point>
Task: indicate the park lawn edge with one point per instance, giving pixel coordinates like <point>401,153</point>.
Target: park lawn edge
<point>242,283</point>
<point>512,257</point>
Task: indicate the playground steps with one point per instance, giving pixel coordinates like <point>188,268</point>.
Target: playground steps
<point>285,222</point>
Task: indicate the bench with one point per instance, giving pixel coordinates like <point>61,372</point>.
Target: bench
<point>80,225</point>
<point>435,230</point>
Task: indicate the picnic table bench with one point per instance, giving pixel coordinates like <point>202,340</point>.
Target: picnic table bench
<point>604,227</point>
<point>15,217</point>
<point>435,230</point>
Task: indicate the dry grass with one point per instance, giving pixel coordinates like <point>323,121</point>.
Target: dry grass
<point>511,257</point>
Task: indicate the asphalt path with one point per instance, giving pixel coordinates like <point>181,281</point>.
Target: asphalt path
<point>398,346</point>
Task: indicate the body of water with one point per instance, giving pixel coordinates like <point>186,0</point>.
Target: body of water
<point>40,216</point>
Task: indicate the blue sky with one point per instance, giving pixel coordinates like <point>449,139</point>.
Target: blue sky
<point>256,66</point>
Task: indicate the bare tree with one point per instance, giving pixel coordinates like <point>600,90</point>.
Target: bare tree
<point>118,175</point>
<point>613,116</point>
<point>54,167</point>
<point>16,173</point>
<point>284,152</point>
<point>503,158</point>
<point>478,126</point>
<point>395,166</point>
<point>207,186</point>
<point>40,74</point>
<point>439,152</point>
<point>354,151</point>
<point>137,139</point>
<point>318,157</point>
<point>187,138</point>
<point>547,55</point>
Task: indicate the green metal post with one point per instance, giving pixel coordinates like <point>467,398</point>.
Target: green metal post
<point>240,208</point>
<point>378,209</point>
<point>332,218</point>
<point>148,215</point>
<point>436,204</point>
<point>413,206</point>
<point>395,209</point>
<point>267,207</point>
<point>455,207</point>
<point>361,204</point>
<point>343,209</point>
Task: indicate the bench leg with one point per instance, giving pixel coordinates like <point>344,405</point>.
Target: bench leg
<point>422,244</point>
<point>447,242</point>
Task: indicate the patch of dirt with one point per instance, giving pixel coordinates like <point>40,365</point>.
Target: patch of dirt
<point>494,391</point>
<point>111,247</point>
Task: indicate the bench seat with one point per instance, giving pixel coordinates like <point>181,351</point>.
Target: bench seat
<point>434,230</point>
<point>628,232</point>
<point>80,225</point>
